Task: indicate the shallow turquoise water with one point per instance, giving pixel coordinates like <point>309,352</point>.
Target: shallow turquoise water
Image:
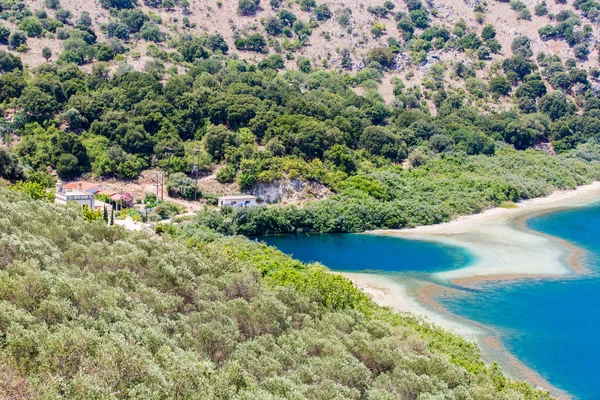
<point>374,253</point>
<point>552,326</point>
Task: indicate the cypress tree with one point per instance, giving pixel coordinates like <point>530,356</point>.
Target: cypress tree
<point>105,215</point>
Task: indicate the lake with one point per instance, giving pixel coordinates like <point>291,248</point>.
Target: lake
<point>553,326</point>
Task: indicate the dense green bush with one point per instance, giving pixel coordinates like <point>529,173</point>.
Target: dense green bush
<point>391,198</point>
<point>180,185</point>
<point>91,311</point>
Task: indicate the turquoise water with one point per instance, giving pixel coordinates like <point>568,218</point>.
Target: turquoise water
<point>552,326</point>
<point>361,253</point>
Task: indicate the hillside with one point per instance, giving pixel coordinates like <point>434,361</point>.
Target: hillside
<point>128,88</point>
<point>90,311</point>
<point>333,35</point>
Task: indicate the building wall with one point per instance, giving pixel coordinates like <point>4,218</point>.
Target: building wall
<point>237,203</point>
<point>79,199</point>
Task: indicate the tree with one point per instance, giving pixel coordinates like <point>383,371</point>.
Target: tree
<point>381,55</point>
<point>32,26</point>
<point>127,200</point>
<point>84,19</point>
<point>253,42</point>
<point>488,32</point>
<point>218,139</point>
<point>307,5</point>
<point>286,17</point>
<point>216,43</point>
<point>555,105</point>
<point>10,168</point>
<point>151,32</point>
<point>322,12</point>
<point>9,62</point>
<point>541,9</point>
<point>517,65</point>
<point>117,29</point>
<point>378,11</point>
<point>52,4</point>
<point>180,185</point>
<point>345,59</point>
<point>91,215</point>
<point>63,15</point>
<point>67,166</point>
<point>193,49</point>
<point>46,53</point>
<point>247,7</point>
<point>499,84</point>
<point>4,34</point>
<point>119,4</point>
<point>38,104</point>
<point>420,18</point>
<point>521,46</point>
<point>273,26</point>
<point>303,65</point>
<point>581,51</point>
<point>342,157</point>
<point>379,140</point>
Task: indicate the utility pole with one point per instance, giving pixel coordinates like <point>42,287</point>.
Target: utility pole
<point>162,188</point>
<point>156,176</point>
<point>195,170</point>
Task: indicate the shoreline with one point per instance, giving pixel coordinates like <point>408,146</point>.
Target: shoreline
<point>503,245</point>
<point>504,250</point>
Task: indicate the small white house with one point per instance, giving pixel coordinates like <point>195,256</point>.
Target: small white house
<point>244,201</point>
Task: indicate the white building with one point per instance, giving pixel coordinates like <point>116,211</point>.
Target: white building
<point>65,195</point>
<point>237,201</point>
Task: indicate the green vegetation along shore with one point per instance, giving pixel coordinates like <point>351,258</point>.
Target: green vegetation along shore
<point>91,311</point>
<point>390,197</point>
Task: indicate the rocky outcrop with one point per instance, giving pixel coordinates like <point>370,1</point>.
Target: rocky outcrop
<point>289,191</point>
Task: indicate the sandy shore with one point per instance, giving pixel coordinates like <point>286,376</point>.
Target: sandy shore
<point>504,249</point>
<point>500,242</point>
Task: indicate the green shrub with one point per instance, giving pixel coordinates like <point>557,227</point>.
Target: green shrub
<point>180,185</point>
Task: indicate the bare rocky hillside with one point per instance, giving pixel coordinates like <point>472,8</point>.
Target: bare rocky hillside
<point>460,43</point>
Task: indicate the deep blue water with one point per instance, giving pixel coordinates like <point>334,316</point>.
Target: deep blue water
<point>374,253</point>
<point>552,326</point>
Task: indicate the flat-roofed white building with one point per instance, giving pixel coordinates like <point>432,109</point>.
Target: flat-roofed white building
<point>243,201</point>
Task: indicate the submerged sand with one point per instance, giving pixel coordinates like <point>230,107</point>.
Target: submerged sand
<point>500,242</point>
<point>504,249</point>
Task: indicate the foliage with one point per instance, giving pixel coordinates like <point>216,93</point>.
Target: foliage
<point>90,310</point>
<point>34,190</point>
<point>391,198</point>
<point>180,185</point>
<point>248,7</point>
<point>92,215</point>
<point>10,167</point>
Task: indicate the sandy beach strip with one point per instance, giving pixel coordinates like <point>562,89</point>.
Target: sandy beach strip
<point>503,245</point>
<point>504,250</point>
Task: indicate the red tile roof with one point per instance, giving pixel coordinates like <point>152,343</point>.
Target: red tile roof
<point>84,185</point>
